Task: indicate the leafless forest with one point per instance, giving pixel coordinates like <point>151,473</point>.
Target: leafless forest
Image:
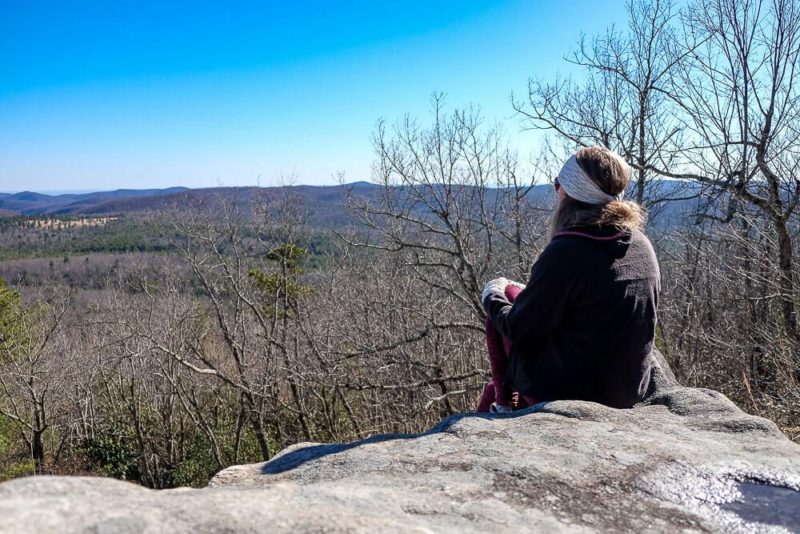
<point>243,326</point>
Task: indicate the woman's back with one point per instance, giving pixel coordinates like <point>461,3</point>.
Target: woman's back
<point>584,326</point>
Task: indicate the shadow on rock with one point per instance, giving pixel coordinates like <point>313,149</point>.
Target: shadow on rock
<point>296,458</point>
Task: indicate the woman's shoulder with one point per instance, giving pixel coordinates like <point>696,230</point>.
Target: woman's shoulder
<point>601,234</point>
<point>569,248</point>
<point>581,237</point>
<point>638,237</point>
<point>588,241</point>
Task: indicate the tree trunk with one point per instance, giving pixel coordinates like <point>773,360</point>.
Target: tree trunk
<point>37,451</point>
<point>298,401</point>
<point>255,422</point>
<point>641,159</point>
<point>787,280</point>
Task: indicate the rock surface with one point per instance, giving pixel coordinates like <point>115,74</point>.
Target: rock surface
<point>685,459</point>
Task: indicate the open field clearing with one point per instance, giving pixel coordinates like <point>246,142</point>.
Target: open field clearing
<point>64,224</point>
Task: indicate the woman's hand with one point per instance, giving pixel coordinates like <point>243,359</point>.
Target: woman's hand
<point>496,286</point>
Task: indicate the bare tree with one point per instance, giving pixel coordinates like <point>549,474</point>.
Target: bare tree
<point>740,112</point>
<point>717,320</point>
<point>31,370</point>
<point>622,103</point>
<point>454,203</point>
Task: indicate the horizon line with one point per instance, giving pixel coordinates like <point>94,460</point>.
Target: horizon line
<point>61,192</point>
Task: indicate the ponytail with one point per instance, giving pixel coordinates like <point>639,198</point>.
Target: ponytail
<point>623,214</point>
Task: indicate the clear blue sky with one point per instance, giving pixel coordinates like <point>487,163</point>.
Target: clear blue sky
<point>109,94</point>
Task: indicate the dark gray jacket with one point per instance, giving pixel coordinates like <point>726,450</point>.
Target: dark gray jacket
<point>584,326</point>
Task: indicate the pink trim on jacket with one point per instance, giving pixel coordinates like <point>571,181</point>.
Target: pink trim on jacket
<point>590,236</point>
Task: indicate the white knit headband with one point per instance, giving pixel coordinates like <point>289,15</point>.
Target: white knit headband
<point>579,186</point>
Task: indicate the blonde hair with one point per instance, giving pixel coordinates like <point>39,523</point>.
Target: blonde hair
<point>605,169</point>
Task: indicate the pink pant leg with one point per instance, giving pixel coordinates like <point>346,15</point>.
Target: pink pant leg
<point>499,349</point>
<point>498,363</point>
<point>487,398</point>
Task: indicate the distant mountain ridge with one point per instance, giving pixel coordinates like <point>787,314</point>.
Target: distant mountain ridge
<point>31,203</point>
<point>132,200</point>
<point>324,204</point>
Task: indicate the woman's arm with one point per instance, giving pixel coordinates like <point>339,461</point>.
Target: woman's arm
<point>540,307</point>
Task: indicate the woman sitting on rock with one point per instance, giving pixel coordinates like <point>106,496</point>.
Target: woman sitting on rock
<point>583,327</point>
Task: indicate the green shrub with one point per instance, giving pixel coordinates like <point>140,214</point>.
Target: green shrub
<point>113,456</point>
<point>8,467</point>
<point>16,470</point>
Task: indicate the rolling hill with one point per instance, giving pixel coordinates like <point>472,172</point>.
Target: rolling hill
<point>324,205</point>
<point>31,203</point>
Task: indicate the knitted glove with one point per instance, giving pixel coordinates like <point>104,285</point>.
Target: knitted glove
<point>496,286</point>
